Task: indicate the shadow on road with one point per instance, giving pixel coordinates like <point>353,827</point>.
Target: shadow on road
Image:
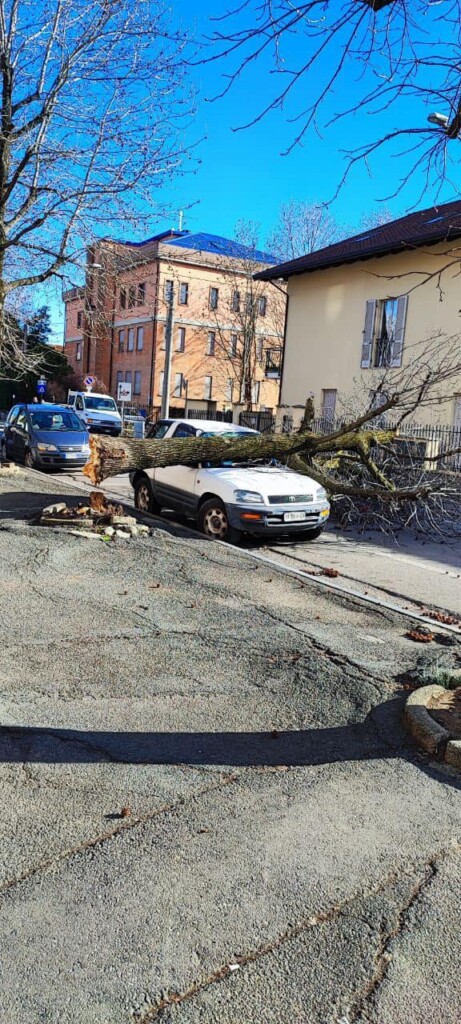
<point>380,735</point>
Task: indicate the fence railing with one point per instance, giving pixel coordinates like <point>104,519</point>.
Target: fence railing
<point>262,421</point>
<point>436,445</point>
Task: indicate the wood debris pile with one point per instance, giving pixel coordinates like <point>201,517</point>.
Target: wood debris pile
<point>97,517</point>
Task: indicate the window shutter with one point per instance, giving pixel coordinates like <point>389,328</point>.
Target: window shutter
<point>397,344</point>
<point>368,332</point>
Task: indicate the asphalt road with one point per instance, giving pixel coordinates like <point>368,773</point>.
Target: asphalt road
<point>411,570</point>
<point>286,856</point>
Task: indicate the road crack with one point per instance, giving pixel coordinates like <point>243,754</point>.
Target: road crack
<point>383,955</point>
<point>124,825</point>
<point>155,1011</point>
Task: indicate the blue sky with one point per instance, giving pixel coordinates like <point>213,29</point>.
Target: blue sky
<point>243,174</point>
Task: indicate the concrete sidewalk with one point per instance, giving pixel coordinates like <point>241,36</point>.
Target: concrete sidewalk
<point>288,855</point>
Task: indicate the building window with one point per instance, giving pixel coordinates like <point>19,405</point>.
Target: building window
<point>208,384</point>
<point>141,293</point>
<point>229,389</point>
<point>384,332</point>
<point>181,339</point>
<point>140,339</point>
<point>329,396</point>
<point>249,302</point>
<point>183,294</point>
<point>123,298</point>
<point>260,349</point>
<point>131,296</point>
<point>119,377</point>
<point>262,305</point>
<point>121,340</point>
<point>214,297</point>
<point>79,318</point>
<point>130,346</point>
<point>255,388</point>
<point>128,377</point>
<point>233,346</point>
<point>273,363</point>
<point>161,378</point>
<point>137,382</point>
<point>211,343</point>
<point>178,385</point>
<point>235,304</point>
<point>168,291</point>
<point>78,351</point>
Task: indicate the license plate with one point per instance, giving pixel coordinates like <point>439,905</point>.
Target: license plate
<point>294,517</point>
<point>71,455</point>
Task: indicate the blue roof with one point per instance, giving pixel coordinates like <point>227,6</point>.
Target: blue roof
<point>202,242</point>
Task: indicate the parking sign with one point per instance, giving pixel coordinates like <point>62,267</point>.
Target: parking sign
<point>123,392</point>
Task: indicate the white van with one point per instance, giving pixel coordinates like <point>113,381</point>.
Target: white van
<point>99,413</point>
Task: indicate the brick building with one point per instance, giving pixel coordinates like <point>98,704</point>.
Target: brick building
<point>226,329</point>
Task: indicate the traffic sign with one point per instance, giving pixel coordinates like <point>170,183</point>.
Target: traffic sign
<point>41,386</point>
<point>89,381</point>
<point>123,392</point>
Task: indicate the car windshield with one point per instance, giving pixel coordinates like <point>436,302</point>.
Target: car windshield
<point>228,433</point>
<point>103,404</point>
<point>49,419</point>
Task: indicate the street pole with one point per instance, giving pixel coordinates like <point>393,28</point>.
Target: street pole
<point>169,325</point>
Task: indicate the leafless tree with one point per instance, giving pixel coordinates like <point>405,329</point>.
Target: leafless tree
<point>92,109</point>
<point>391,50</point>
<point>301,228</point>
<point>253,325</point>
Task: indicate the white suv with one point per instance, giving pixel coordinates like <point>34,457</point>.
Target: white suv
<point>229,499</point>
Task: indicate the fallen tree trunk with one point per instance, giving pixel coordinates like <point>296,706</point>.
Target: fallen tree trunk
<point>111,456</point>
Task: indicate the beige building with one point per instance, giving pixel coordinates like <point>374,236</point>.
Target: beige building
<point>369,308</point>
<point>226,329</point>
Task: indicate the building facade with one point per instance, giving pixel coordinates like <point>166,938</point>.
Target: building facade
<point>193,296</point>
<point>372,308</point>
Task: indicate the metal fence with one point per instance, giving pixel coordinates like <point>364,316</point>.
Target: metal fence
<point>435,445</point>
<point>262,421</point>
<point>202,414</point>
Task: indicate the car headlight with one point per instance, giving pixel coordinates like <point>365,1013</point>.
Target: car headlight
<point>46,447</point>
<point>91,419</point>
<point>250,497</point>
<point>85,449</point>
<point>321,494</point>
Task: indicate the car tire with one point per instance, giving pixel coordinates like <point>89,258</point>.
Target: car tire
<point>29,460</point>
<point>213,521</point>
<point>310,534</point>
<point>144,499</point>
<point>3,455</point>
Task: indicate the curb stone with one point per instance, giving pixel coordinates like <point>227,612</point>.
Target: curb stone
<point>453,753</point>
<point>428,734</point>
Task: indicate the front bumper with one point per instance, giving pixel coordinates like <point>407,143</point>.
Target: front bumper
<point>270,519</point>
<point>95,428</point>
<point>58,460</point>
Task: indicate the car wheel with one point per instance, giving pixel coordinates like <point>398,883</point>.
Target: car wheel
<point>29,460</point>
<point>310,534</point>
<point>144,496</point>
<point>213,521</point>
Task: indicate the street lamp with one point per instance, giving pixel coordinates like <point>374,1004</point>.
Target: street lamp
<point>441,120</point>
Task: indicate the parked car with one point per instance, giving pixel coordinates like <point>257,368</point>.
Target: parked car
<point>45,436</point>
<point>98,413</point>
<point>228,499</point>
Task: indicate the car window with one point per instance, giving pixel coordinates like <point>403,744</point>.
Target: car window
<point>55,419</point>
<point>158,430</point>
<point>79,402</point>
<point>12,415</point>
<point>101,404</point>
<point>185,430</point>
<point>21,421</point>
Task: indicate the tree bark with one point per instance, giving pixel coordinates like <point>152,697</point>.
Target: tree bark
<point>111,456</point>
